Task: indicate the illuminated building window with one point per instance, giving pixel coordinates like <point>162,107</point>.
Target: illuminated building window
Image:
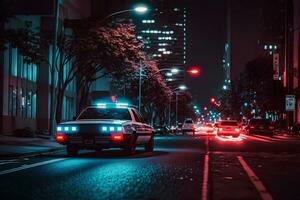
<point>176,9</point>
<point>165,38</point>
<point>139,37</point>
<point>14,61</point>
<point>162,49</point>
<point>162,44</point>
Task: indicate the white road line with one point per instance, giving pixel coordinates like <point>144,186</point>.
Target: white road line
<point>31,166</point>
<point>264,194</point>
<point>205,178</point>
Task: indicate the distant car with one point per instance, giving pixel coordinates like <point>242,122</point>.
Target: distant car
<point>228,128</point>
<point>260,126</point>
<point>161,130</point>
<point>106,126</point>
<point>188,126</point>
<point>207,128</point>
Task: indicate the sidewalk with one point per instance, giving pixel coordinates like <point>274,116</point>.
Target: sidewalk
<point>11,147</point>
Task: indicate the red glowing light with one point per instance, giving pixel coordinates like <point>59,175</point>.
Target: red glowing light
<point>205,108</point>
<point>271,127</point>
<point>194,71</point>
<point>113,99</point>
<point>60,137</point>
<point>213,100</point>
<point>117,137</point>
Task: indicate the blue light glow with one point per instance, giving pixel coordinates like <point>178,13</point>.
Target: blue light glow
<point>59,128</point>
<point>104,128</point>
<point>74,128</point>
<point>111,128</point>
<point>119,128</point>
<point>101,105</point>
<point>122,105</point>
<point>66,128</point>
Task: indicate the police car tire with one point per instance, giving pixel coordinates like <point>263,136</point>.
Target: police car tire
<point>150,145</point>
<point>72,151</point>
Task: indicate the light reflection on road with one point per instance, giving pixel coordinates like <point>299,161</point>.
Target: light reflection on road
<point>231,139</point>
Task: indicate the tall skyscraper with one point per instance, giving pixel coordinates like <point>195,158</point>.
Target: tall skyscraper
<point>163,32</point>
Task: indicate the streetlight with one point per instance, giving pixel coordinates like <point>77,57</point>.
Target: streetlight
<point>137,9</point>
<point>141,9</point>
<point>181,87</point>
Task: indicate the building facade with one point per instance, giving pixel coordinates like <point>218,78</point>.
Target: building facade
<point>25,87</point>
<point>163,32</point>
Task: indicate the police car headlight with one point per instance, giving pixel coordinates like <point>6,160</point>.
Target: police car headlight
<point>67,129</point>
<point>111,129</point>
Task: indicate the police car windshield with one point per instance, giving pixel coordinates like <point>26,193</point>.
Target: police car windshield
<point>105,113</point>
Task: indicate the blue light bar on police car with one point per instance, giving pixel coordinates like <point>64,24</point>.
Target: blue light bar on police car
<point>122,105</point>
<point>101,105</point>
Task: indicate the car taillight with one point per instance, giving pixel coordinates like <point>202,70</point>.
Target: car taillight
<point>271,127</point>
<point>60,137</point>
<point>237,130</point>
<point>117,137</point>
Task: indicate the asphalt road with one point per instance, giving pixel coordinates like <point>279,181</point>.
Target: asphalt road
<point>181,167</point>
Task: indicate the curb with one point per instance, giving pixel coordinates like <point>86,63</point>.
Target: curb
<point>31,154</point>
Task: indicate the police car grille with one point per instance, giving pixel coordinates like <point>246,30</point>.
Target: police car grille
<point>89,129</point>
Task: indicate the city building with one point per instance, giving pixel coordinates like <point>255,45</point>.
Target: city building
<point>296,56</point>
<point>25,88</point>
<point>163,32</point>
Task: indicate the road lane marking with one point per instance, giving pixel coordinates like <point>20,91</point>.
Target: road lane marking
<point>260,138</point>
<point>264,194</point>
<point>205,178</point>
<point>31,166</point>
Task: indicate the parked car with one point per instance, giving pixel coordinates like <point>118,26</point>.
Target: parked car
<point>228,128</point>
<point>188,126</point>
<point>261,127</point>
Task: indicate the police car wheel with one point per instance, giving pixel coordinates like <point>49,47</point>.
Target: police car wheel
<point>72,151</point>
<point>130,149</point>
<point>150,145</point>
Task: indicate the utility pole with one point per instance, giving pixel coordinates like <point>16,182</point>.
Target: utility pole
<point>176,113</point>
<point>140,86</point>
<point>289,72</point>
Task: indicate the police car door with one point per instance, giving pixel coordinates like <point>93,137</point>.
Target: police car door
<point>143,131</point>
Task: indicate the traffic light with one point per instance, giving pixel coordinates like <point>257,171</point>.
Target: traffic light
<point>213,100</point>
<point>193,71</point>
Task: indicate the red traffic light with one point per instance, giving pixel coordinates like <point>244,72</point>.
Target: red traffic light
<point>194,71</point>
<point>213,100</point>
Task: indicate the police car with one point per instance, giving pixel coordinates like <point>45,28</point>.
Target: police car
<point>106,125</point>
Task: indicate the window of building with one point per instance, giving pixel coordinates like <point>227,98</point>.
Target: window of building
<point>68,108</point>
<point>29,105</point>
<point>12,101</point>
<point>14,61</point>
<point>22,102</point>
<point>33,103</point>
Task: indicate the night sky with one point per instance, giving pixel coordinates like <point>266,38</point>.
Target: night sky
<point>206,37</point>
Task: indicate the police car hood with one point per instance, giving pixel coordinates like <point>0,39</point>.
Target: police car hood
<point>91,121</point>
